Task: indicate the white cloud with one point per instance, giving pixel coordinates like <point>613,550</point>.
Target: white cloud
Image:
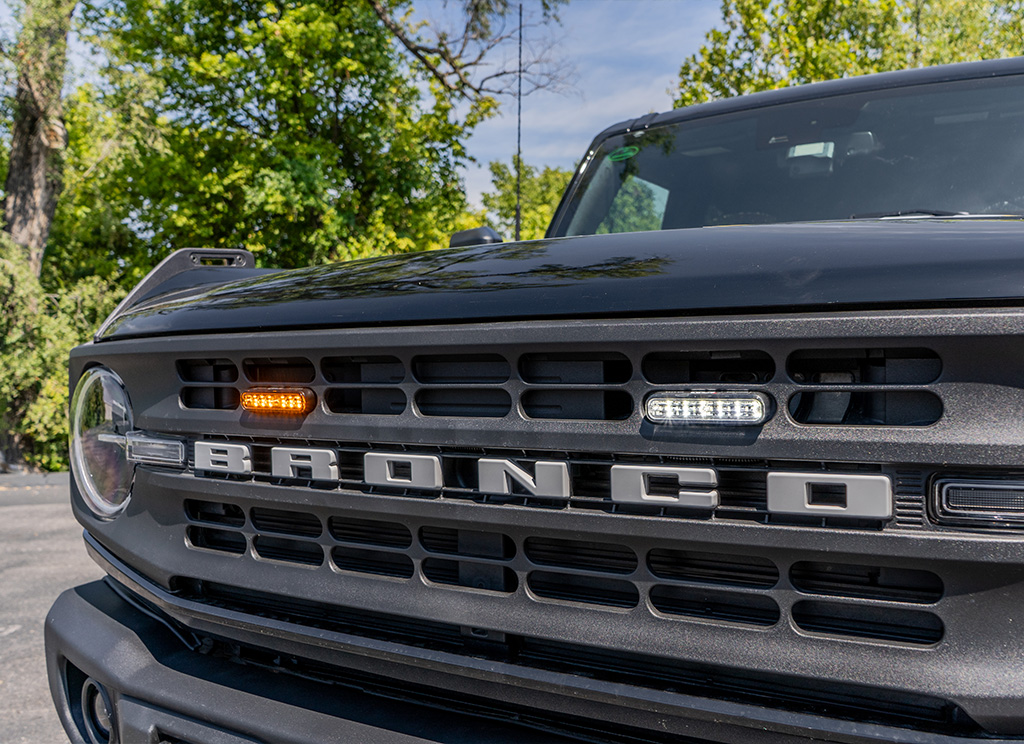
<point>627,55</point>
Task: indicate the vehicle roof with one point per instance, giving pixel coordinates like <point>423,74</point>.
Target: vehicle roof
<point>858,84</point>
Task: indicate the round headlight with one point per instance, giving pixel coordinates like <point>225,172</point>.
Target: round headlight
<point>101,416</point>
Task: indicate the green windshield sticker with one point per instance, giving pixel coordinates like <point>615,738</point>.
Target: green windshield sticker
<point>623,153</point>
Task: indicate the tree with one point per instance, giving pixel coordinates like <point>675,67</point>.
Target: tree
<point>541,191</point>
<point>38,135</point>
<point>36,331</point>
<point>768,44</point>
<point>305,131</point>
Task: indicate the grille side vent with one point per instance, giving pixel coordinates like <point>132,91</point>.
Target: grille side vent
<point>284,522</point>
<point>869,582</point>
<point>369,532</point>
<point>210,398</point>
<point>863,621</point>
<point>376,370</point>
<point>746,367</point>
<point>715,605</point>
<point>464,402</point>
<point>288,550</point>
<point>593,590</point>
<point>376,562</point>
<point>279,370</point>
<point>461,369</point>
<point>595,405</point>
<point>590,556</point>
<point>207,370</point>
<point>374,401</point>
<point>713,568</point>
<point>223,541</point>
<point>597,368</point>
<point>864,366</point>
<point>866,408</point>
<point>213,512</point>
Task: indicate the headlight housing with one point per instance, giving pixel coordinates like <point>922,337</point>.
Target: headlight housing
<point>101,417</point>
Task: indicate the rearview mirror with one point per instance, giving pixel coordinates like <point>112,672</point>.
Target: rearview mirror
<point>476,236</point>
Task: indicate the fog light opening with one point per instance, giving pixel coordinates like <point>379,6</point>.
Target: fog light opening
<point>98,713</point>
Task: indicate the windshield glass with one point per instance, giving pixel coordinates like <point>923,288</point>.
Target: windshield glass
<point>940,149</point>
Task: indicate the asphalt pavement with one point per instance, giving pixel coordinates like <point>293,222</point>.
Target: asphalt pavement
<point>41,555</point>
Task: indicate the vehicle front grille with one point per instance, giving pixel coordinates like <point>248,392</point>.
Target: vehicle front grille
<point>604,576</point>
<point>733,602</point>
<point>835,386</point>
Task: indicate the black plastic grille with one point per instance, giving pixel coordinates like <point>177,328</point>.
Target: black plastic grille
<point>741,587</point>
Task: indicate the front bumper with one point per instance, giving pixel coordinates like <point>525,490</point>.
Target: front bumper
<point>165,690</point>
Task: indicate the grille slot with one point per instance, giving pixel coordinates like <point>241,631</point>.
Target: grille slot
<point>471,575</point>
<point>746,367</point>
<point>213,539</point>
<point>597,368</point>
<point>471,543</point>
<point>864,366</point>
<point>861,621</point>
<point>866,408</point>
<point>213,512</point>
<point>715,604</point>
<point>279,370</point>
<point>288,550</point>
<point>461,369</point>
<point>593,590</point>
<point>591,556</point>
<point>375,401</point>
<point>210,398</point>
<point>378,562</point>
<point>600,405</point>
<point>464,402</point>
<point>713,568</point>
<point>369,532</point>
<point>207,370</point>
<point>382,370</point>
<point>284,522</point>
<point>869,582</point>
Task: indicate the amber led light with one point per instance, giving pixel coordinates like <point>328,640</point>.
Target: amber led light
<point>291,400</point>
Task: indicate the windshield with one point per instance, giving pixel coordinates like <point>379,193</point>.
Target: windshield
<point>940,149</point>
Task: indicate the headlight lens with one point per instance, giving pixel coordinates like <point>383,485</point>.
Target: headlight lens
<point>101,416</point>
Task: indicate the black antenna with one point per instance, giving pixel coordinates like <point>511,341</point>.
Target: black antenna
<point>519,130</point>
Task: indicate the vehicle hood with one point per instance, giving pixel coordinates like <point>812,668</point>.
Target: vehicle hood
<point>748,268</point>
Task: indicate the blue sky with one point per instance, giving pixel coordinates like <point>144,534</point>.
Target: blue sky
<point>626,55</point>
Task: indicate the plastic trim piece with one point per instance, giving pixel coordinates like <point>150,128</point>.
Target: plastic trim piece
<point>178,262</point>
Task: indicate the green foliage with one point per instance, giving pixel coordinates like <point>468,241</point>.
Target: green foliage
<point>37,330</point>
<point>541,191</point>
<point>298,130</point>
<point>767,44</point>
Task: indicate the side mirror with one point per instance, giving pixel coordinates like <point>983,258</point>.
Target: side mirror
<point>476,236</point>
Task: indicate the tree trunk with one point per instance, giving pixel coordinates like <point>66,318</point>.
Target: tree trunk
<point>38,136</point>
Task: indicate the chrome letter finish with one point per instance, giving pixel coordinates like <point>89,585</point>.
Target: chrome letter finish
<point>304,462</point>
<point>384,469</point>
<point>217,457</point>
<point>631,484</point>
<point>863,496</point>
<point>550,479</point>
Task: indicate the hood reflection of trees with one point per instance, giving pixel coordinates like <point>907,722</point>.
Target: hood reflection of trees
<point>477,269</point>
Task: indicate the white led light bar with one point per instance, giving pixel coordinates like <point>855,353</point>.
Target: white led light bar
<point>154,450</point>
<point>709,407</point>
